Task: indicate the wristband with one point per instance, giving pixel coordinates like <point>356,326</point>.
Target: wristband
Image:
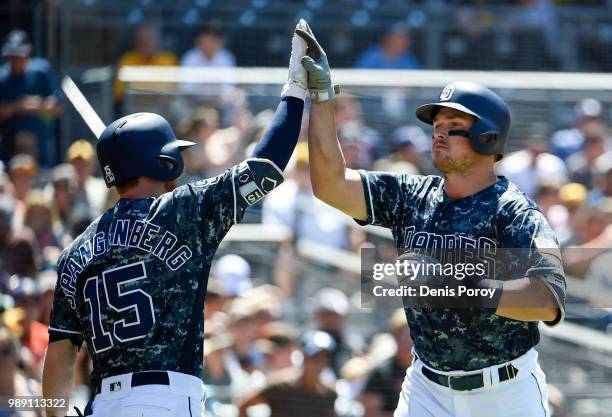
<point>292,89</point>
<point>325,95</point>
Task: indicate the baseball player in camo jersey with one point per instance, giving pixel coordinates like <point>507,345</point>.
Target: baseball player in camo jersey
<point>132,286</point>
<point>472,361</point>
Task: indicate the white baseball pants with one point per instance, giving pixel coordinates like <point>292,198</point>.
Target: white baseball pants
<point>184,397</point>
<point>523,396</point>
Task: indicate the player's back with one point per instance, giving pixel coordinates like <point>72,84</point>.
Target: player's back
<point>133,284</point>
<point>136,278</point>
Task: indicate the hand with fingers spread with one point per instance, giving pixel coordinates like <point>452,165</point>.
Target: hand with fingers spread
<point>297,81</point>
<point>315,62</point>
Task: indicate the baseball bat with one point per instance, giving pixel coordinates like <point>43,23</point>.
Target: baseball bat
<point>82,106</point>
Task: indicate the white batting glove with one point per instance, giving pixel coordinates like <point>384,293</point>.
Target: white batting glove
<point>297,81</point>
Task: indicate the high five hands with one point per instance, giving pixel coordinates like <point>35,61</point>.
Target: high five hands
<point>315,62</point>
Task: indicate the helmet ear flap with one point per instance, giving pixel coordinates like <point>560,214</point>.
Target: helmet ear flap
<point>170,164</point>
<point>485,138</point>
<point>489,137</point>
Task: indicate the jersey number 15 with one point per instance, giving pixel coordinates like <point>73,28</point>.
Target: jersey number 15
<point>120,302</point>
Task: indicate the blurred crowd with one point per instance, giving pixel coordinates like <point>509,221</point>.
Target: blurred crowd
<point>272,343</point>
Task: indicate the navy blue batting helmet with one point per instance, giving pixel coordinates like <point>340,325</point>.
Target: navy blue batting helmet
<point>140,145</point>
<point>488,135</point>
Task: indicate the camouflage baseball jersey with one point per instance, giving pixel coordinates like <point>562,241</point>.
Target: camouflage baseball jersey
<point>420,215</point>
<point>133,284</point>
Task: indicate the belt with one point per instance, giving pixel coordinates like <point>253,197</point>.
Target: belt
<point>146,378</point>
<point>468,382</point>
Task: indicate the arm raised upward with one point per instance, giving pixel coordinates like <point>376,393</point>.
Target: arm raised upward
<point>332,181</point>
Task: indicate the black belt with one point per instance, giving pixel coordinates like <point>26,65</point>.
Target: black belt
<point>468,382</point>
<point>143,378</point>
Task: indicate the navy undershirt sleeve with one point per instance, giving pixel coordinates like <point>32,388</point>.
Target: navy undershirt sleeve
<point>279,141</point>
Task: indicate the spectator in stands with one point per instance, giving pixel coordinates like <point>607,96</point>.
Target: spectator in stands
<point>300,393</point>
<point>588,121</point>
<point>22,172</point>
<point>410,148</point>
<point>200,127</point>
<point>209,51</point>
<point>279,346</point>
<point>91,192</point>
<point>540,15</point>
<point>13,382</point>
<point>63,189</point>
<point>28,98</point>
<point>532,166</point>
<point>411,144</point>
<point>7,207</point>
<point>331,309</point>
<point>356,146</point>
<point>266,305</point>
<point>591,226</point>
<point>546,197</point>
<point>572,197</point>
<point>602,179</point>
<point>581,163</point>
<point>593,236</point>
<point>244,333</point>
<point>386,379</point>
<point>22,255</point>
<point>35,336</point>
<point>349,117</point>
<point>392,52</point>
<point>215,371</point>
<point>26,143</point>
<point>222,378</point>
<point>145,52</point>
<point>359,144</point>
<point>598,272</point>
<point>40,217</point>
<point>293,204</point>
<point>596,255</point>
<point>347,109</point>
<point>256,126</point>
<point>233,274</point>
<point>353,377</point>
<point>215,299</point>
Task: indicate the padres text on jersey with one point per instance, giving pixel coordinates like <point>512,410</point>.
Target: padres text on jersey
<point>420,215</point>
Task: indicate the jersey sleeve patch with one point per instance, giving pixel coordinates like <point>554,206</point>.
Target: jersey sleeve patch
<point>547,246</point>
<point>255,178</point>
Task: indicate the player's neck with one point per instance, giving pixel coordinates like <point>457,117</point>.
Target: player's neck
<point>144,190</point>
<point>460,185</point>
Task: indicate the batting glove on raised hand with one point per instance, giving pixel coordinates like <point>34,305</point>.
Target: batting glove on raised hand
<point>297,81</point>
<point>315,62</point>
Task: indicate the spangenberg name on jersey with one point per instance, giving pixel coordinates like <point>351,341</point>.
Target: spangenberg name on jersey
<point>146,236</point>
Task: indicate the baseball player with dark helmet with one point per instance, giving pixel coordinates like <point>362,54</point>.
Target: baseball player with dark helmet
<point>479,360</point>
<point>132,286</point>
